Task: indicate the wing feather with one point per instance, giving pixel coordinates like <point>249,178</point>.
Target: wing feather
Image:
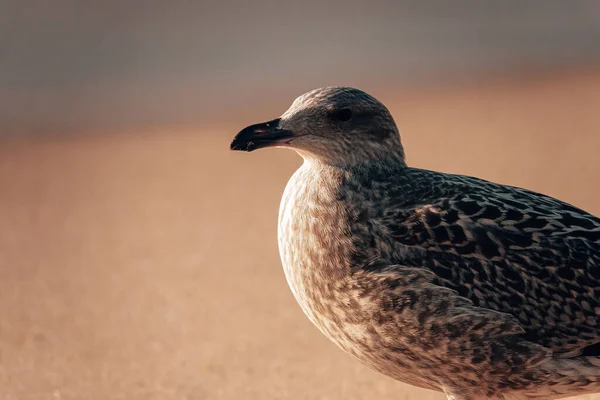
<point>506,249</point>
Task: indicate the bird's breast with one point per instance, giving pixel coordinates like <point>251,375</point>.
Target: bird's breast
<point>314,245</point>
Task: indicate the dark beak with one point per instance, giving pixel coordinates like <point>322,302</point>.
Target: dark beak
<point>260,135</point>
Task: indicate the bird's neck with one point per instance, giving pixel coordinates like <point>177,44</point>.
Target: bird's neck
<point>347,158</point>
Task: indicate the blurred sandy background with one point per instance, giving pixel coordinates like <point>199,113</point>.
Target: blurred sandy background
<point>138,256</point>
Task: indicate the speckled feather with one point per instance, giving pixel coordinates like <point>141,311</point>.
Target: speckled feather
<point>443,281</point>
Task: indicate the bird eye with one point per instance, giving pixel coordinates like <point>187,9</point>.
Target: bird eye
<point>343,115</point>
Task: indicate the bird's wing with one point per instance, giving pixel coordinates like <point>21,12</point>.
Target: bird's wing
<point>446,327</point>
<point>505,249</point>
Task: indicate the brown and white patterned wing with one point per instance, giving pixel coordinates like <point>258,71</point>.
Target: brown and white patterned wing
<point>428,327</point>
<point>508,250</point>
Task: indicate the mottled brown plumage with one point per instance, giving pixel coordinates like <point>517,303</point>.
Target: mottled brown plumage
<point>446,282</point>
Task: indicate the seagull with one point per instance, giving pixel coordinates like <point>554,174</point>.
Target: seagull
<point>446,282</point>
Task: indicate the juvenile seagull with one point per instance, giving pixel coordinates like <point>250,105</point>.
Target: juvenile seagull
<point>447,282</point>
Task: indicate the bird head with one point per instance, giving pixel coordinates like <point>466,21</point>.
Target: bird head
<point>335,125</point>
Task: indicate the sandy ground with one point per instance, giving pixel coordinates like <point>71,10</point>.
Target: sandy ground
<point>145,266</point>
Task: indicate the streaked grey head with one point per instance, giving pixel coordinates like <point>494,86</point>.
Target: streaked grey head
<point>336,125</point>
